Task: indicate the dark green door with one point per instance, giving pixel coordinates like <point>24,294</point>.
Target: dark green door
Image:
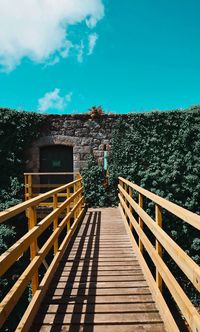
<point>56,159</point>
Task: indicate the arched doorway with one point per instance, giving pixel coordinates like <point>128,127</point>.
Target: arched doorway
<point>56,159</point>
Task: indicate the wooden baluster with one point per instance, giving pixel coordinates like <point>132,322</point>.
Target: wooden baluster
<point>80,195</point>
<point>55,222</point>
<point>158,217</point>
<point>29,186</point>
<point>25,187</point>
<point>126,189</point>
<point>32,220</point>
<point>68,196</point>
<point>78,198</point>
<point>130,191</point>
<point>74,203</point>
<point>141,203</point>
<point>68,209</point>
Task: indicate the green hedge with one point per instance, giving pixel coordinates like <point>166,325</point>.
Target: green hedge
<point>160,151</point>
<point>94,181</point>
<point>17,131</point>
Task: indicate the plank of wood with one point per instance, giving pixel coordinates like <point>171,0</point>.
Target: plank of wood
<point>100,285</point>
<point>97,278</point>
<point>152,327</point>
<point>101,291</point>
<point>102,299</point>
<point>105,318</point>
<point>99,308</point>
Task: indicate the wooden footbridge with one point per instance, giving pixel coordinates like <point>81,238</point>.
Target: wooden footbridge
<point>89,269</point>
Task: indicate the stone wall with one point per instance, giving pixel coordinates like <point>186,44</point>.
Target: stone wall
<point>84,132</point>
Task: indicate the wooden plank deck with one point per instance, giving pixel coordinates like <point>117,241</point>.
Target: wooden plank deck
<point>99,284</point>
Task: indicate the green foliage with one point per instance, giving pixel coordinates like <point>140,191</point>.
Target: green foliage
<point>6,234</point>
<point>17,131</point>
<point>160,151</point>
<point>94,179</point>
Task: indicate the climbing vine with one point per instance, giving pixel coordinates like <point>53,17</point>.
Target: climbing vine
<point>160,151</point>
<point>17,131</point>
<point>94,180</point>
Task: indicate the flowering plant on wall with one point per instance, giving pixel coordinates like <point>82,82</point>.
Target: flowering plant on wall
<point>96,111</point>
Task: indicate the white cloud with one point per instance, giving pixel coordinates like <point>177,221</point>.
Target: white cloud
<point>53,100</point>
<point>52,61</point>
<point>68,97</point>
<point>91,22</point>
<point>37,29</point>
<point>92,39</point>
<point>80,49</point>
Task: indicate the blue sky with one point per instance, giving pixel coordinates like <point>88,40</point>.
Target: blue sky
<point>128,56</point>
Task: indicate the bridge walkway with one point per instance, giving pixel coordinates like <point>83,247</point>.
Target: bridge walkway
<point>99,284</point>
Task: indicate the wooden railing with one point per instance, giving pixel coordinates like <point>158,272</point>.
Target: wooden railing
<point>129,209</point>
<point>63,218</point>
<point>37,183</point>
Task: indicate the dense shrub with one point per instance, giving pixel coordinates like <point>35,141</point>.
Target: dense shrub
<point>94,180</point>
<point>17,131</point>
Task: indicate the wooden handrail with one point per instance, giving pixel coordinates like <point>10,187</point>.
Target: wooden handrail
<point>34,186</point>
<point>163,241</point>
<point>188,216</point>
<point>72,208</point>
<point>52,173</point>
<point>19,208</point>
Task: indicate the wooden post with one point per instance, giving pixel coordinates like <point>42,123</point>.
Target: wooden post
<point>158,217</point>
<point>74,202</point>
<point>32,220</point>
<point>68,209</point>
<point>130,191</point>
<point>126,189</point>
<point>29,186</point>
<point>68,196</point>
<point>55,222</point>
<point>25,187</point>
<point>80,205</point>
<point>141,203</point>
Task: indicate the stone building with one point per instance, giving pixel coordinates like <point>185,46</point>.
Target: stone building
<point>66,141</point>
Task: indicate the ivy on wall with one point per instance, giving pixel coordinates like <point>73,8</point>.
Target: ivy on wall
<point>17,131</point>
<point>95,191</point>
<point>160,151</point>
